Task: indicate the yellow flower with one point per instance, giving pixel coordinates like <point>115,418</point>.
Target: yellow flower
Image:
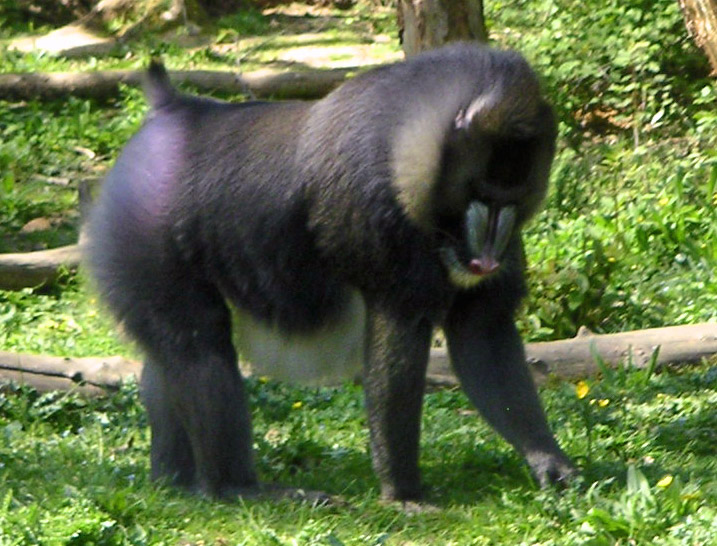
<point>665,481</point>
<point>603,402</point>
<point>581,390</point>
<point>297,405</point>
<point>664,201</point>
<point>264,379</point>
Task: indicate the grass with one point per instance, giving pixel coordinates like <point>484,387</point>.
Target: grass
<point>75,471</point>
<point>627,239</point>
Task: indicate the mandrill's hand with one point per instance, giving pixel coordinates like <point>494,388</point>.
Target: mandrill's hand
<point>551,468</point>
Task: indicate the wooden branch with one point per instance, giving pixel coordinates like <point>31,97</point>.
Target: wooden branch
<point>566,359</point>
<point>102,84</point>
<point>29,269</point>
<point>575,358</point>
<point>91,376</point>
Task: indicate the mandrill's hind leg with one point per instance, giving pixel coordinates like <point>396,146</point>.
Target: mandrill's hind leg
<point>171,451</point>
<point>194,394</point>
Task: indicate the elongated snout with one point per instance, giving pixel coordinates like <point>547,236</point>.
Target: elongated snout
<point>488,231</point>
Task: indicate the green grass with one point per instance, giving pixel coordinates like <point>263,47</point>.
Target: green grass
<point>74,471</point>
<point>64,321</point>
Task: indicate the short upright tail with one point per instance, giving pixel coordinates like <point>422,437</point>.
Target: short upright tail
<point>157,86</point>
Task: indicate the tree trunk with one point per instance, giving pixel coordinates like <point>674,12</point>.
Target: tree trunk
<point>701,21</point>
<point>427,24</point>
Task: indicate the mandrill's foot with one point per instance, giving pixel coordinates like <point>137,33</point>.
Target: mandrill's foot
<point>551,468</point>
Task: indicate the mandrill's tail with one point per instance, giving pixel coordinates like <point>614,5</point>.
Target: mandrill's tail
<point>157,87</point>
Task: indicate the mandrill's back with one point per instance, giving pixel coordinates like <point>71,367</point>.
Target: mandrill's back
<point>210,190</point>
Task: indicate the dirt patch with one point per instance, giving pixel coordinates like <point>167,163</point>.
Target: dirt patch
<point>69,41</point>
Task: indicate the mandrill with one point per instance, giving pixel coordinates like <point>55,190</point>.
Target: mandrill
<point>340,231</point>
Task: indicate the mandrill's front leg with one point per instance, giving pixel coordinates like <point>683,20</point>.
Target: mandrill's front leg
<point>488,357</point>
<point>397,351</point>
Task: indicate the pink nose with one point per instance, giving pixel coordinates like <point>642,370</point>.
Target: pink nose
<point>483,266</point>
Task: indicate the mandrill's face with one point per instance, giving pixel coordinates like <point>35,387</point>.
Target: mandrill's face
<point>489,185</point>
<point>487,232</point>
<point>471,171</point>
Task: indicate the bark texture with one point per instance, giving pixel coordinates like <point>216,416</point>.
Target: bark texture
<point>576,358</point>
<point>103,84</point>
<point>701,21</point>
<point>91,376</point>
<point>566,359</point>
<point>428,24</point>
<point>32,269</point>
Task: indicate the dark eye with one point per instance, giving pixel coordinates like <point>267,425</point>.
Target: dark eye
<point>510,162</point>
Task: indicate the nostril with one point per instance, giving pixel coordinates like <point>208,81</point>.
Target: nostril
<point>483,266</point>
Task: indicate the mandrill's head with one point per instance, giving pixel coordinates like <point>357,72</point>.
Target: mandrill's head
<point>472,170</point>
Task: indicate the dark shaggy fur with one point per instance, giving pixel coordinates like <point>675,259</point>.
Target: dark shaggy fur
<point>389,207</point>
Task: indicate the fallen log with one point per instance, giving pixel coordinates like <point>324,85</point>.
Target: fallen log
<point>577,358</point>
<point>567,359</point>
<point>32,269</point>
<point>91,376</point>
<point>104,84</point>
